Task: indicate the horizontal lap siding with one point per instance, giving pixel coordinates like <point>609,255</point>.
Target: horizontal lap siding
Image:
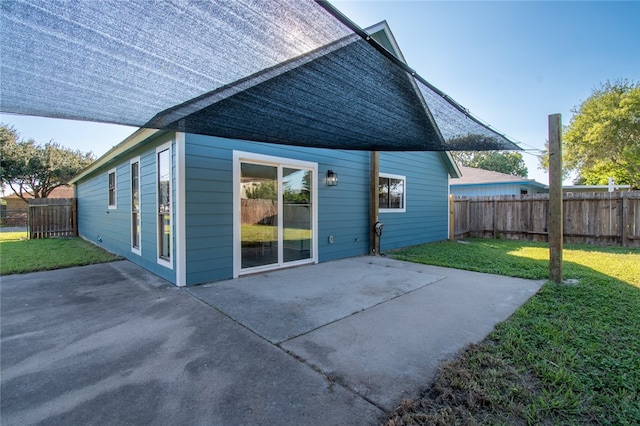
<point>113,226</point>
<point>209,210</point>
<point>426,216</point>
<point>342,209</point>
<point>109,228</point>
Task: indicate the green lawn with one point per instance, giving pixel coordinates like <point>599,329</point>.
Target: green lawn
<point>19,255</point>
<point>570,355</point>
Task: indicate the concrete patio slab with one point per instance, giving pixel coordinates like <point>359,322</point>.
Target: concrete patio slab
<point>386,353</point>
<point>286,303</point>
<point>114,344</point>
<point>335,343</point>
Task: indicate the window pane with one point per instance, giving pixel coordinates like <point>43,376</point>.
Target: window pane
<point>165,236</point>
<point>163,181</point>
<point>297,214</point>
<point>383,193</point>
<point>135,230</point>
<point>259,214</point>
<point>396,193</point>
<point>112,189</point>
<point>135,186</point>
<point>164,204</point>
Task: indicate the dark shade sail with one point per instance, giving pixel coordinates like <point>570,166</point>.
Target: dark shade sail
<point>279,71</point>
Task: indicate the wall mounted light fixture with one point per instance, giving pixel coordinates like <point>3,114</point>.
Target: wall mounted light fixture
<point>332,178</point>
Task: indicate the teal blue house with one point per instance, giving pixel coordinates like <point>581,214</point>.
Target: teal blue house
<point>194,208</point>
<point>272,134</point>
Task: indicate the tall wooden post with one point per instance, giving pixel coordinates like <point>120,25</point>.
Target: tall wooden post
<point>555,198</point>
<point>374,172</point>
<point>452,217</point>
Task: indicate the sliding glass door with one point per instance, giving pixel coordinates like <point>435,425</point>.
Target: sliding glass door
<point>275,226</point>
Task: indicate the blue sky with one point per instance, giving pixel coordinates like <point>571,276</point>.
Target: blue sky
<point>511,63</point>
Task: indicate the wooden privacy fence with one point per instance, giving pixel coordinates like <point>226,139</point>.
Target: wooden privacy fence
<point>609,218</point>
<point>52,217</point>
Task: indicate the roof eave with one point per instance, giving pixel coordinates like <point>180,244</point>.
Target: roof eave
<point>452,167</point>
<point>122,148</point>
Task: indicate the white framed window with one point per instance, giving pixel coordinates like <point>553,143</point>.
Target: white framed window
<point>164,200</point>
<point>112,194</point>
<point>392,193</point>
<point>134,165</point>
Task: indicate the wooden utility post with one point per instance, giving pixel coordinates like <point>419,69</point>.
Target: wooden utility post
<point>452,217</point>
<point>555,198</point>
<point>374,172</point>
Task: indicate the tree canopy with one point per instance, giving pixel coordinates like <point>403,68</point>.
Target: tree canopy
<point>507,162</point>
<point>265,190</point>
<point>602,139</point>
<point>29,168</point>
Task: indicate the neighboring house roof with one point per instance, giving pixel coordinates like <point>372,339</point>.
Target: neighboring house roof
<point>473,176</point>
<point>64,191</point>
<point>379,32</point>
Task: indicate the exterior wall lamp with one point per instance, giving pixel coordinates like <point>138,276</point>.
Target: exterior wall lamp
<point>332,178</point>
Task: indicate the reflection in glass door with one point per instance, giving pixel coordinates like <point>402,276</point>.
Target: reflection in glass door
<point>275,221</point>
<point>259,214</point>
<point>296,214</point>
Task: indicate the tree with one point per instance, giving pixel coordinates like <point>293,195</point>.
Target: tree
<point>602,139</point>
<point>265,190</point>
<point>507,162</point>
<point>32,169</point>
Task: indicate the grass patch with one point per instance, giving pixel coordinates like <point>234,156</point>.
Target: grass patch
<point>20,255</point>
<point>570,355</point>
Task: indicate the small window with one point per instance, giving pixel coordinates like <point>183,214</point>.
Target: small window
<point>392,193</point>
<point>112,189</point>
<point>523,192</point>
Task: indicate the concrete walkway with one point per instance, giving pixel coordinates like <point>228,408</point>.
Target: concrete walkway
<point>335,343</point>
